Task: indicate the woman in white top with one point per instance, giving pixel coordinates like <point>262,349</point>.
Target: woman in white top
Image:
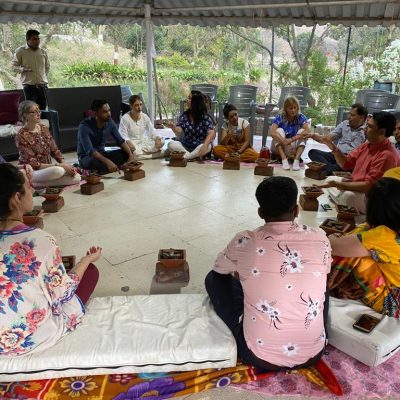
<point>235,137</point>
<point>138,131</point>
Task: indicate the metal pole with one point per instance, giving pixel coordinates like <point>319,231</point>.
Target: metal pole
<point>272,64</point>
<point>157,90</point>
<point>347,56</point>
<point>149,42</point>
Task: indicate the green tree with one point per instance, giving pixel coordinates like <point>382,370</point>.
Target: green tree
<point>301,46</point>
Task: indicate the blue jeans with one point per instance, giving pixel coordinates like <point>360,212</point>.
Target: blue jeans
<point>118,157</point>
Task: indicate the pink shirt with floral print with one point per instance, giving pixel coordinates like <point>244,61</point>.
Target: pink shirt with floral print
<point>38,304</point>
<point>282,267</point>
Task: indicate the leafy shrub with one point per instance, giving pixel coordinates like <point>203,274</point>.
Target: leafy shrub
<point>174,61</point>
<point>256,74</point>
<point>103,72</point>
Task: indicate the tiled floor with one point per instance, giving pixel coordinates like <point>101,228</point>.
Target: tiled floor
<point>198,208</point>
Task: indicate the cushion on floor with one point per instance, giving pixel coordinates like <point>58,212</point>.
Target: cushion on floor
<point>134,334</point>
<point>9,107</point>
<point>370,348</point>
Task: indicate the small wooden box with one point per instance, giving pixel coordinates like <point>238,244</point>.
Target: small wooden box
<point>319,175</point>
<point>52,206</point>
<point>34,218</point>
<point>88,189</point>
<point>172,258</point>
<point>232,165</point>
<point>264,171</point>
<point>69,262</point>
<point>350,222</point>
<point>342,174</point>
<point>38,223</point>
<point>92,179</point>
<point>134,175</point>
<point>182,162</point>
<point>172,274</point>
<point>52,193</point>
<point>334,226</point>
<point>308,203</point>
<point>312,191</point>
<point>346,212</point>
<point>316,166</point>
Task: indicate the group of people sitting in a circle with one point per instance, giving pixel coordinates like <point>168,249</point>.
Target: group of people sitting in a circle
<point>268,285</point>
<point>194,135</point>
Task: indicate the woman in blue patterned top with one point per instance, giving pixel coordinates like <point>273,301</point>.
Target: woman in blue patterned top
<point>194,130</point>
<point>288,131</point>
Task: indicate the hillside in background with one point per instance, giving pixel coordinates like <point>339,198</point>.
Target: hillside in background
<point>84,55</point>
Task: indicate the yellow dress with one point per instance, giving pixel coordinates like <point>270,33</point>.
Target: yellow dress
<point>392,173</point>
<point>375,279</point>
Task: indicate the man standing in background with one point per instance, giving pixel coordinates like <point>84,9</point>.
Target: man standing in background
<point>32,63</point>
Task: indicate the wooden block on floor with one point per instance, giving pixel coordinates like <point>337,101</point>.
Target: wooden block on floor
<point>134,175</point>
<point>69,262</point>
<point>52,206</point>
<point>349,221</point>
<point>178,274</point>
<point>331,225</point>
<point>318,175</point>
<point>178,163</point>
<point>37,224</point>
<point>308,204</point>
<point>264,171</point>
<point>92,189</point>
<point>233,165</point>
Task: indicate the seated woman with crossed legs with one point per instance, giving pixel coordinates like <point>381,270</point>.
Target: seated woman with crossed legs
<point>36,148</point>
<point>366,263</point>
<point>194,130</point>
<point>235,137</point>
<point>138,131</point>
<point>289,130</point>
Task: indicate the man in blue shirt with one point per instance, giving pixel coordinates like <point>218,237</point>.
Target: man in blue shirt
<point>92,136</point>
<point>347,136</point>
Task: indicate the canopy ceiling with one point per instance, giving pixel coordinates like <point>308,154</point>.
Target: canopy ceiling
<point>205,12</point>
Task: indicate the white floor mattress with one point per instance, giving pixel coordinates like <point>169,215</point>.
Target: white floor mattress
<point>371,349</point>
<point>124,334</point>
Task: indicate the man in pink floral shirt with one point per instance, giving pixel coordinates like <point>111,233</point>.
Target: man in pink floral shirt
<point>277,309</point>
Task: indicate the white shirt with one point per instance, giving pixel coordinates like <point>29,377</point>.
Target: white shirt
<point>242,124</point>
<point>141,132</point>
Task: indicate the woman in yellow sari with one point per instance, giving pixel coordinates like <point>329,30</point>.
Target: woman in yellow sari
<point>366,262</point>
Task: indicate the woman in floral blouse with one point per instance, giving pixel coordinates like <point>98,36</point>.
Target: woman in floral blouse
<point>37,148</point>
<point>39,301</point>
<point>194,130</point>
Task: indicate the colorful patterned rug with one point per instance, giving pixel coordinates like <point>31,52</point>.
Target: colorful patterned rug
<point>357,380</point>
<point>153,386</point>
